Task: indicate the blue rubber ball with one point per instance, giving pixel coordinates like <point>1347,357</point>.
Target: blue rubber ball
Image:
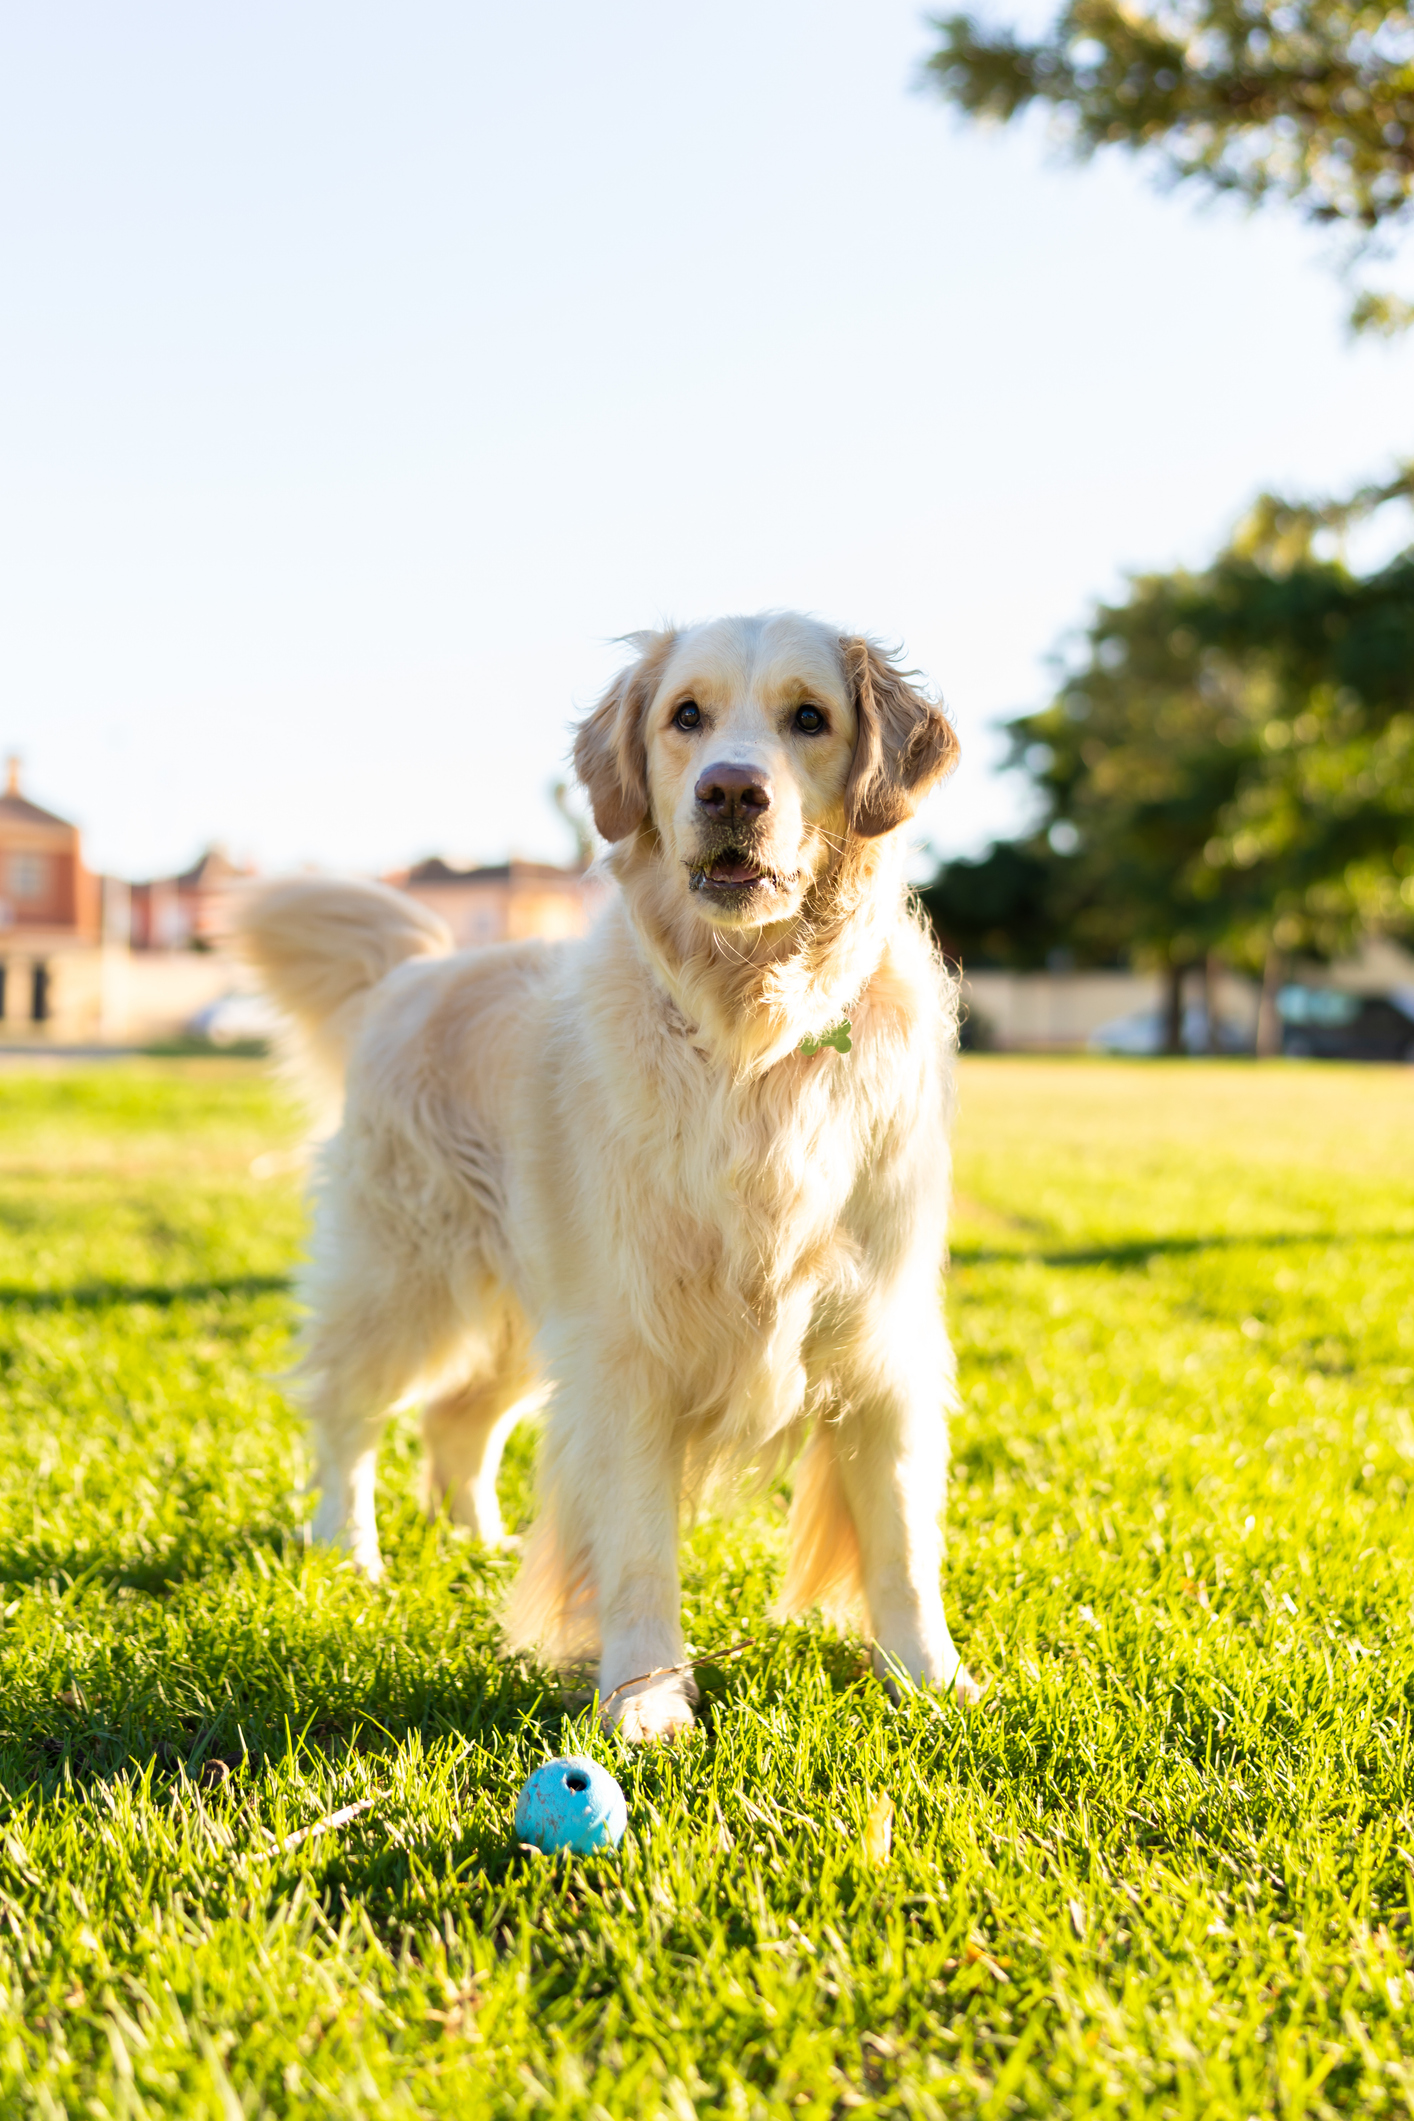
<point>571,1804</point>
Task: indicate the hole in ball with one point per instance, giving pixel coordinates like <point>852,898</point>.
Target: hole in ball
<point>576,1781</point>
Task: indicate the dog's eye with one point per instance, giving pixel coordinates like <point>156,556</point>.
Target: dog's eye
<point>809,720</point>
<point>688,715</point>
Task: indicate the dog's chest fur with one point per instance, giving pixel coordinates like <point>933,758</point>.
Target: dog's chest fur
<point>729,1203</point>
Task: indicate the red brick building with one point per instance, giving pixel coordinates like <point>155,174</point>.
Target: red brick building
<point>504,903</point>
<point>187,912</point>
<point>50,905</point>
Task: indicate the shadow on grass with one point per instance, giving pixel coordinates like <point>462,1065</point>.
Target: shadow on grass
<point>99,1295</point>
<point>182,1561</point>
<point>1138,1251</point>
<point>127,1725</point>
<point>207,1708</point>
<point>74,1742</point>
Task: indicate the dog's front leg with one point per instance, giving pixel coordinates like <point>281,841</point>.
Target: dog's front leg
<point>628,1472</point>
<point>892,1456</point>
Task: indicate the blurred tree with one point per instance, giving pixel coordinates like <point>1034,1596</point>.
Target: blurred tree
<point>1229,767</point>
<point>1306,101</point>
<point>1316,845</point>
<point>1002,910</point>
<point>574,816</point>
<point>1137,758</point>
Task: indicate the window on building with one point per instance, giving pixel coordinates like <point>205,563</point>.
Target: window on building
<point>39,994</point>
<point>29,875</point>
<point>2,990</point>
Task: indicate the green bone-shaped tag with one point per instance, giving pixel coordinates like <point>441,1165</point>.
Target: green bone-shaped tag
<point>838,1038</point>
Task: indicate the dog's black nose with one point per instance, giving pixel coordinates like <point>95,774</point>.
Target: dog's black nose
<point>734,792</point>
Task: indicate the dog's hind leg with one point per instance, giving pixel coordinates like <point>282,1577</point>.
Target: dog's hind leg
<point>464,1433</point>
<point>345,1435</point>
<point>824,1566</point>
<point>366,1352</point>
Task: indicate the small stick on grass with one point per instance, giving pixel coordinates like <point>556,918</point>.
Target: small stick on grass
<point>322,1826</point>
<point>664,1671</point>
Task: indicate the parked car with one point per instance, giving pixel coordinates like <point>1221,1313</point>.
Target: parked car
<point>235,1020</point>
<point>1146,1029</point>
<point>1323,1023</point>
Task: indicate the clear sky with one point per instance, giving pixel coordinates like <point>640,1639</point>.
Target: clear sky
<point>365,370</point>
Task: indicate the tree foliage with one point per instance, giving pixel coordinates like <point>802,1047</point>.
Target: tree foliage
<point>1002,909</point>
<point>1310,102</point>
<point>1228,765</point>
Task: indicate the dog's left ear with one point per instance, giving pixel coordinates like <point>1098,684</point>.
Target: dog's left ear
<point>610,756</point>
<point>904,746</point>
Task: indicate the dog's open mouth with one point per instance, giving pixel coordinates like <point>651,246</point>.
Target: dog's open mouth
<point>731,870</point>
<point>737,876</point>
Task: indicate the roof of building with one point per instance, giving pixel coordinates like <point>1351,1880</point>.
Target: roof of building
<point>435,871</point>
<point>213,867</point>
<point>19,810</point>
<point>207,872</point>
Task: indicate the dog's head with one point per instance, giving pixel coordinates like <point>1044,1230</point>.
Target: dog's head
<point>754,749</point>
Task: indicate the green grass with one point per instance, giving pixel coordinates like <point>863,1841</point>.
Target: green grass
<point>1164,1869</point>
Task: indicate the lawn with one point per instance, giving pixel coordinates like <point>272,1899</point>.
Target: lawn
<point>1165,1868</point>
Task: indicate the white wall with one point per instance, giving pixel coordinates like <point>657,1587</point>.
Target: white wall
<point>112,996</point>
<point>1043,1011</point>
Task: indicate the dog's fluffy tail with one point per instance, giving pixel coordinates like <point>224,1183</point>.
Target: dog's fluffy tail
<point>320,947</point>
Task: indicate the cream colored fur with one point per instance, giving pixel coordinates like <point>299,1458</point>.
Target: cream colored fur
<point>602,1174</point>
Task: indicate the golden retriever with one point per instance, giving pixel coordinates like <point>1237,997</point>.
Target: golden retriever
<point>684,1182</point>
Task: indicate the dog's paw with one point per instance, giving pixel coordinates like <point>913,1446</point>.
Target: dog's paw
<point>359,1557</point>
<point>949,1676</point>
<point>478,1522</point>
<point>658,1712</point>
<point>469,1535</point>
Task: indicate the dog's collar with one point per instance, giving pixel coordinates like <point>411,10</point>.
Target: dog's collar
<point>838,1038</point>
<point>677,1021</point>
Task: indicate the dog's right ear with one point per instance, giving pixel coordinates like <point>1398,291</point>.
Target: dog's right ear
<point>610,755</point>
<point>905,742</point>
